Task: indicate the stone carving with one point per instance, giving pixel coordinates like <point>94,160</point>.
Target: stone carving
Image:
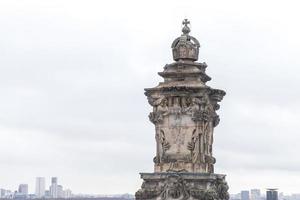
<point>216,120</point>
<point>194,106</point>
<point>210,161</point>
<point>199,107</point>
<point>175,186</point>
<point>155,100</point>
<point>201,111</point>
<point>186,46</point>
<point>194,146</point>
<point>205,111</point>
<point>163,107</point>
<point>210,195</point>
<point>204,118</point>
<point>185,103</point>
<point>176,166</point>
<point>160,109</point>
<point>155,117</point>
<point>217,95</point>
<point>221,188</point>
<point>165,145</point>
<point>148,191</point>
<point>184,115</point>
<point>204,194</point>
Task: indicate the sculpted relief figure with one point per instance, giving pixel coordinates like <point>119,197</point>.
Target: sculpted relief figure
<point>222,189</point>
<point>176,108</point>
<point>184,104</point>
<point>164,145</point>
<point>194,106</point>
<point>160,109</point>
<point>174,188</point>
<point>194,146</point>
<point>202,113</point>
<point>208,113</point>
<point>199,143</point>
<point>154,100</point>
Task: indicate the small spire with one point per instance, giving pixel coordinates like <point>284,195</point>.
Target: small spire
<point>185,28</point>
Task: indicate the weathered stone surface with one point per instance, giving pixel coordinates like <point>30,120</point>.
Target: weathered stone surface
<point>183,186</point>
<point>184,111</point>
<point>184,115</point>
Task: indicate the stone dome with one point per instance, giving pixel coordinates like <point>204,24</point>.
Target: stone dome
<point>185,47</point>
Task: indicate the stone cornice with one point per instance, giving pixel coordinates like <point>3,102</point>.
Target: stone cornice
<point>200,66</point>
<point>203,77</point>
<point>176,89</point>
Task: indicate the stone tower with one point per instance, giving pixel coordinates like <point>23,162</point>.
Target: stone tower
<point>184,116</point>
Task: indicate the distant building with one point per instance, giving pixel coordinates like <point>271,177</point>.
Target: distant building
<point>54,180</point>
<point>47,194</point>
<point>2,193</point>
<point>245,195</point>
<point>7,194</point>
<point>272,194</point>
<point>295,197</point>
<point>67,193</point>
<point>40,186</point>
<point>235,196</point>
<point>255,194</point>
<point>23,189</point>
<point>53,188</point>
<point>60,191</point>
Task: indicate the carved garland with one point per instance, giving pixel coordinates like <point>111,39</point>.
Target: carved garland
<point>175,187</point>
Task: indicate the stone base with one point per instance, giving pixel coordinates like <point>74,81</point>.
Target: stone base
<point>182,186</point>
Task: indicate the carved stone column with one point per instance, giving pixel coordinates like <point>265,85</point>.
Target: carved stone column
<point>184,115</point>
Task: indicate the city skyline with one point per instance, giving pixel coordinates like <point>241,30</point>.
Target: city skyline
<point>41,190</point>
<point>246,194</point>
<point>253,193</point>
<point>72,75</point>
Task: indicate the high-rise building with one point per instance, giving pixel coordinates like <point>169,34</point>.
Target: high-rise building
<point>272,194</point>
<point>294,196</point>
<point>9,194</point>
<point>53,187</point>
<point>40,186</point>
<point>235,196</point>
<point>2,193</point>
<point>255,194</point>
<point>47,194</point>
<point>245,195</point>
<point>67,193</point>
<point>23,189</point>
<point>54,180</point>
<point>60,192</point>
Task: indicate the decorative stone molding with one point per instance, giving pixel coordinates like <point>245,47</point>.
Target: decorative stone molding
<point>183,186</point>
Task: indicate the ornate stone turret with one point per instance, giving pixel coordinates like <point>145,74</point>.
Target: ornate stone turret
<point>184,115</point>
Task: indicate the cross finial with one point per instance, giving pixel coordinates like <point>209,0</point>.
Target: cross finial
<point>185,28</point>
<point>185,22</point>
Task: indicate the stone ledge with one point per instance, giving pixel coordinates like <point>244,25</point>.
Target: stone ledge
<point>184,175</point>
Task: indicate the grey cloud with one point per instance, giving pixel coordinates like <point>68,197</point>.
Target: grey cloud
<point>72,76</point>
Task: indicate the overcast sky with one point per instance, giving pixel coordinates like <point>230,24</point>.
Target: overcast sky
<point>72,75</point>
